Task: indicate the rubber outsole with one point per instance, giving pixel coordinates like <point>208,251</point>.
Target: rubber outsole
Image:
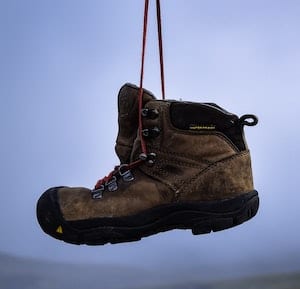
<point>199,217</point>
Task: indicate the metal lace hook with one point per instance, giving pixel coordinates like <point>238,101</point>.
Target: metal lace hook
<point>126,175</point>
<point>98,193</point>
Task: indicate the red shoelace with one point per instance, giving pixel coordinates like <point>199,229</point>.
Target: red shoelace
<point>143,155</point>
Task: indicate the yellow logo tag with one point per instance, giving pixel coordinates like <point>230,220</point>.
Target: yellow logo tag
<point>59,230</point>
<point>202,127</point>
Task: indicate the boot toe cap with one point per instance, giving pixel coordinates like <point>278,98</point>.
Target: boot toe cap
<point>48,213</point>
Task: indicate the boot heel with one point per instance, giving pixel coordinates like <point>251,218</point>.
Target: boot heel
<point>229,219</point>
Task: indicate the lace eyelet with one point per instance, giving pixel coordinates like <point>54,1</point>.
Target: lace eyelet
<point>151,132</point>
<point>150,113</point>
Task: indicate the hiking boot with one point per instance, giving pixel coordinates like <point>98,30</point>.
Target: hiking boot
<point>196,175</point>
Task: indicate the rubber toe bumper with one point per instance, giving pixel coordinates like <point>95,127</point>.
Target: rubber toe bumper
<point>49,215</point>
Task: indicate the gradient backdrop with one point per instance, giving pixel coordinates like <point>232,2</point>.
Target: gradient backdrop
<point>62,63</point>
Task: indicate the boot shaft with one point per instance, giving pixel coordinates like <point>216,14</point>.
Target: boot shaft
<point>202,131</point>
<point>196,144</point>
<point>128,119</point>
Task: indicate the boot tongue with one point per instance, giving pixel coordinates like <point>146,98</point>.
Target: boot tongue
<point>128,119</point>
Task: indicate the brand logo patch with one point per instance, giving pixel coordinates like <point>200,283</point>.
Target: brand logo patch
<point>202,127</point>
<point>59,230</point>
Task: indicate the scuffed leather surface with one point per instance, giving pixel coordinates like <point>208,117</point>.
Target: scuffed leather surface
<point>136,196</point>
<point>190,166</point>
<point>225,179</point>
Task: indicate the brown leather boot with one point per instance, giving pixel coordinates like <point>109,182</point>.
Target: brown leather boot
<point>196,175</point>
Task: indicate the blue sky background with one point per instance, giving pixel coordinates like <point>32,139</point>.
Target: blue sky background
<point>61,66</point>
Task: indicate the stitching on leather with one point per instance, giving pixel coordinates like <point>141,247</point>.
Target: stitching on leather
<point>164,157</point>
<point>157,177</point>
<point>179,163</point>
<point>190,181</point>
<point>186,156</point>
<point>124,145</point>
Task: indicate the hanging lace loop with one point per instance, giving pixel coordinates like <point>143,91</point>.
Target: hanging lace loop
<point>144,156</point>
<point>160,44</point>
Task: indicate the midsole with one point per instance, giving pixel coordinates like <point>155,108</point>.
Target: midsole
<point>175,212</point>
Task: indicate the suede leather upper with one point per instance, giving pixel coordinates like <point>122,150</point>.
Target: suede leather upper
<point>190,165</point>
